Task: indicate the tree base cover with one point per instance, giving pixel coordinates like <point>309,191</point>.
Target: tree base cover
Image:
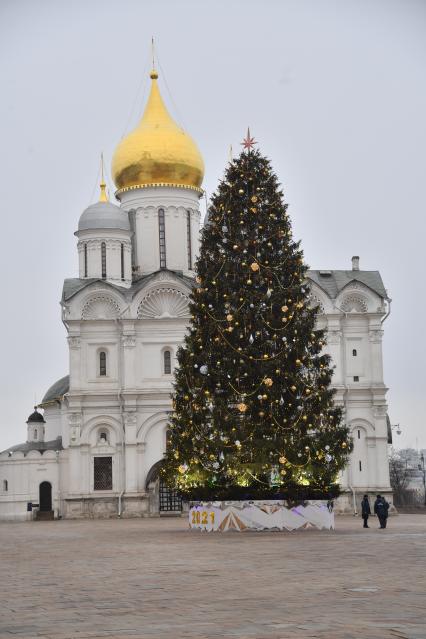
<point>295,493</point>
<point>260,515</point>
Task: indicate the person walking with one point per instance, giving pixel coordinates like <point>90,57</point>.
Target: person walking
<point>381,508</point>
<point>365,510</point>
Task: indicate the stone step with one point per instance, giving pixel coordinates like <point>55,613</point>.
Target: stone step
<point>45,515</point>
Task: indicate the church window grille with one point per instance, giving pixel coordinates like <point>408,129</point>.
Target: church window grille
<point>102,364</point>
<point>356,378</point>
<point>162,237</point>
<point>360,466</point>
<point>122,262</point>
<point>102,473</point>
<point>354,353</point>
<point>167,357</point>
<point>5,485</point>
<point>189,239</point>
<point>103,260</point>
<point>85,260</point>
<point>170,500</point>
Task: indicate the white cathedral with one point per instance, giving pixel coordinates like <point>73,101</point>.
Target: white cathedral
<point>95,450</point>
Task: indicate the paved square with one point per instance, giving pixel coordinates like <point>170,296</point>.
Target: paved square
<point>155,578</point>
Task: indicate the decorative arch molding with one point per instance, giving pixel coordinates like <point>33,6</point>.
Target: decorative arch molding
<point>354,303</point>
<point>363,424</point>
<point>156,420</point>
<point>163,302</point>
<point>96,423</point>
<point>100,306</point>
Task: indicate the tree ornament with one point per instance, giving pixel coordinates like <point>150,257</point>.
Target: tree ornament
<point>254,266</point>
<point>204,369</point>
<point>242,407</point>
<point>282,459</point>
<point>268,381</point>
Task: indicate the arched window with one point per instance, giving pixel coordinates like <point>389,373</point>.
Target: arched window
<point>162,237</point>
<point>167,360</point>
<point>103,260</point>
<point>85,259</point>
<point>102,364</point>
<point>122,262</point>
<point>5,485</point>
<point>188,239</point>
<point>35,433</point>
<point>103,437</point>
<point>354,353</point>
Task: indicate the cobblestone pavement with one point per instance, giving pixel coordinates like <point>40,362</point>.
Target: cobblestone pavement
<point>154,578</point>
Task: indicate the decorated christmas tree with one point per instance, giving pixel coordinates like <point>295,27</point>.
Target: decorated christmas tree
<point>253,407</point>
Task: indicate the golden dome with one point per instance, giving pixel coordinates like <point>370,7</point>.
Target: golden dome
<point>158,152</point>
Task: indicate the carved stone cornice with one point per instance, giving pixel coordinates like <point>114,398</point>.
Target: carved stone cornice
<point>74,342</point>
<point>128,341</point>
<point>375,336</point>
<point>334,337</point>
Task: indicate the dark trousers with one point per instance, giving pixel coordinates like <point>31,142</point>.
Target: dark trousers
<point>383,522</point>
<point>365,518</point>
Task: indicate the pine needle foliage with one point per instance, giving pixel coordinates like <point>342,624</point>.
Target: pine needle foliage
<point>253,403</point>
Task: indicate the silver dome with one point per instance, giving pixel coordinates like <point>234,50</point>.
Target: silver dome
<point>104,215</point>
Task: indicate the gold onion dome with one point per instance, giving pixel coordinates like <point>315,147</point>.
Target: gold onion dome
<point>158,152</point>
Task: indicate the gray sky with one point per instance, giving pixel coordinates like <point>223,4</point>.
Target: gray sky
<point>334,91</point>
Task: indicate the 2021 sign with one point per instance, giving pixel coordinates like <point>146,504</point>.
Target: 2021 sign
<point>200,518</point>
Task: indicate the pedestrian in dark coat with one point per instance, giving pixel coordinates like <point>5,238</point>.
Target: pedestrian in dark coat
<point>381,508</point>
<point>365,510</point>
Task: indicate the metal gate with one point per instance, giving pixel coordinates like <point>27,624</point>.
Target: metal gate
<point>170,500</point>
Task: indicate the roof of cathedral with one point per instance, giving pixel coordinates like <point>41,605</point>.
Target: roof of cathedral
<point>333,282</point>
<point>104,215</point>
<point>36,416</point>
<point>54,444</point>
<point>73,285</point>
<point>157,152</point>
<point>57,390</point>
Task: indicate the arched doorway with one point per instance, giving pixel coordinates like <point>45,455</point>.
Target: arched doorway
<point>168,500</point>
<point>45,499</point>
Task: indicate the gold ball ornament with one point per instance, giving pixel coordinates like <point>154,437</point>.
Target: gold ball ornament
<point>229,317</point>
<point>182,469</point>
<point>241,191</point>
<point>242,407</point>
<point>294,389</point>
<point>268,381</point>
<point>254,266</point>
<point>284,309</point>
<point>254,198</point>
<point>282,459</point>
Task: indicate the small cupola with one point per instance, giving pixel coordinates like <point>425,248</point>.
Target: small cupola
<point>104,242</point>
<point>35,427</point>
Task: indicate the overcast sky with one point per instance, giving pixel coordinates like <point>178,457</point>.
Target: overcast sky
<point>334,91</point>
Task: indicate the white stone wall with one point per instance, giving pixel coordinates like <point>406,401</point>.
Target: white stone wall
<point>24,474</point>
<point>176,202</point>
<point>113,239</point>
<point>354,325</point>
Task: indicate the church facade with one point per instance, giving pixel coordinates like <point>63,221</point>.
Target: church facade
<point>96,448</point>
